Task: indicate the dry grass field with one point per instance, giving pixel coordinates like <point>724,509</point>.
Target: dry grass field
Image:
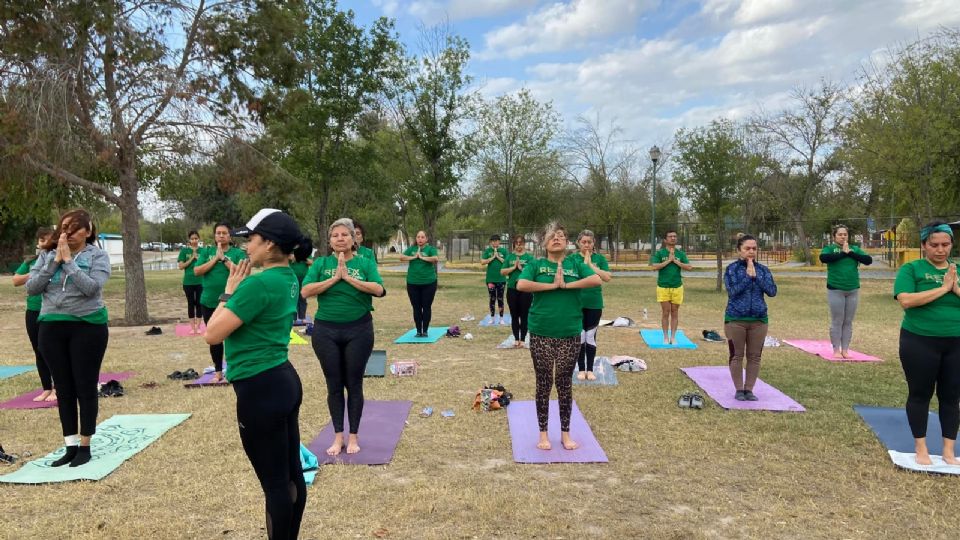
<point>672,474</point>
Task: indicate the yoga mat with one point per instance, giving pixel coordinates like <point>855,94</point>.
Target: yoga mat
<point>510,342</point>
<point>433,334</point>
<point>525,434</point>
<point>309,464</point>
<point>716,382</point>
<point>488,320</point>
<point>891,427</point>
<point>606,374</point>
<point>205,380</point>
<point>117,440</point>
<point>376,365</point>
<point>25,401</point>
<point>295,339</point>
<point>654,340</point>
<point>824,349</point>
<point>183,330</point>
<point>380,430</point>
<point>12,371</point>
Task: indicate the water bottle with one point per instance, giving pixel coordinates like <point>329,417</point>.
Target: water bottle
<point>644,313</point>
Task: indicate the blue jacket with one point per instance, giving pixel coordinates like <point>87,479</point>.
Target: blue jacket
<point>745,294</point>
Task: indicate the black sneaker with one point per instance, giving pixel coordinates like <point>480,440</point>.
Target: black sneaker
<point>154,331</point>
<point>5,457</point>
<point>711,335</point>
<point>740,395</point>
<point>750,396</point>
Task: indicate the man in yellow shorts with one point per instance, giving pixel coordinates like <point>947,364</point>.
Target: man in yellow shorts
<point>668,261</point>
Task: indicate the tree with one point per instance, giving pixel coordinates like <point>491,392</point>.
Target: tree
<point>710,163</point>
<point>514,139</point>
<point>99,95</point>
<point>802,144</point>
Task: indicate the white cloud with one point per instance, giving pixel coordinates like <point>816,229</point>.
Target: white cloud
<point>562,26</point>
<point>759,11</point>
<point>390,8</point>
<point>929,14</point>
<point>434,11</point>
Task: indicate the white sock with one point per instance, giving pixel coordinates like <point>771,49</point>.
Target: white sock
<point>71,440</point>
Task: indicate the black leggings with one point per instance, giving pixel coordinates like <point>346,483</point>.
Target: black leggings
<point>33,328</point>
<point>216,351</point>
<point>75,351</point>
<point>495,290</point>
<point>928,363</point>
<point>268,407</point>
<point>193,300</point>
<point>343,351</point>
<point>301,303</point>
<point>588,340</point>
<point>519,303</point>
<point>421,298</point>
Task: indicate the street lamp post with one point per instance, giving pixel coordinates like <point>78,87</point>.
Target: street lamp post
<point>654,157</point>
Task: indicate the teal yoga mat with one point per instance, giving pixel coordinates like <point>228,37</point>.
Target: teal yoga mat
<point>654,340</point>
<point>376,365</point>
<point>12,371</point>
<point>433,334</point>
<point>117,440</point>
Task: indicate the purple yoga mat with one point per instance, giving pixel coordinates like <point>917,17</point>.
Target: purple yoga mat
<point>716,382</point>
<point>204,380</point>
<point>183,330</point>
<point>25,401</point>
<point>824,350</point>
<point>525,433</point>
<point>380,429</point>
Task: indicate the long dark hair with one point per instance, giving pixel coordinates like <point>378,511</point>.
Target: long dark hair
<point>301,251</point>
<point>42,233</point>
<point>79,219</point>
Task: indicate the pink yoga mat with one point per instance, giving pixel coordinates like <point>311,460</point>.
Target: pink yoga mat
<point>716,382</point>
<point>380,428</point>
<point>25,401</point>
<point>525,433</point>
<point>205,380</point>
<point>183,330</point>
<point>824,349</point>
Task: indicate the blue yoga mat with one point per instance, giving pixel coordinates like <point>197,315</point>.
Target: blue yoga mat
<point>12,371</point>
<point>654,340</point>
<point>433,334</point>
<point>117,440</point>
<point>376,365</point>
<point>891,427</point>
<point>488,320</point>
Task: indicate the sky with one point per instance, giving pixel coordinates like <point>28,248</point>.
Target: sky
<point>653,66</point>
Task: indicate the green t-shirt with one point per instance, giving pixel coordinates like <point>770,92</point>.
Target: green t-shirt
<point>189,278</point>
<point>843,275</point>
<point>215,280</point>
<point>299,269</point>
<point>593,298</point>
<point>97,317</point>
<point>421,272</point>
<point>366,253</point>
<point>494,266</point>
<point>343,302</point>
<point>669,276</point>
<point>556,313</point>
<point>34,302</point>
<point>940,318</point>
<point>514,275</point>
<point>266,302</point>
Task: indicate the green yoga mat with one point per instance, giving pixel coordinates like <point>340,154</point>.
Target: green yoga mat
<point>117,440</point>
<point>376,365</point>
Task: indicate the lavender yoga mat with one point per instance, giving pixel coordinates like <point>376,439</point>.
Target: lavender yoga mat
<point>715,381</point>
<point>183,330</point>
<point>205,380</point>
<point>380,430</point>
<point>525,433</point>
<point>824,350</point>
<point>25,401</point>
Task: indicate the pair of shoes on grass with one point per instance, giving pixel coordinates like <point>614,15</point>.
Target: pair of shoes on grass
<point>691,400</point>
<point>745,395</point>
<point>188,375</point>
<point>154,331</point>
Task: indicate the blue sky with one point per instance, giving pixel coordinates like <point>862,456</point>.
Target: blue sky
<point>653,67</point>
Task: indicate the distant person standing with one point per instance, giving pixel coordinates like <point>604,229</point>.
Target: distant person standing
<point>843,287</point>
<point>34,304</point>
<point>493,257</point>
<point>519,302</point>
<point>362,250</point>
<point>214,265</point>
<point>669,261</point>
<point>192,283</point>
<point>592,301</point>
<point>300,264</point>
<point>421,281</point>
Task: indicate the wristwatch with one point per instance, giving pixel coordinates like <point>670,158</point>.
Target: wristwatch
<point>225,296</point>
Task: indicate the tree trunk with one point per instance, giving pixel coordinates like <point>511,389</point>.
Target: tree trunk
<point>803,239</point>
<point>135,286</point>
<point>719,254</point>
<point>322,221</point>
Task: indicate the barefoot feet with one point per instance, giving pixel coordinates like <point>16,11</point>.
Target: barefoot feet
<point>43,395</point>
<point>353,444</point>
<point>544,443</point>
<point>52,396</point>
<point>581,376</point>
<point>337,445</point>
<point>591,376</point>
<point>567,442</point>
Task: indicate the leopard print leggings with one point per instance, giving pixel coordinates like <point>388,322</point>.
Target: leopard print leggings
<point>553,360</point>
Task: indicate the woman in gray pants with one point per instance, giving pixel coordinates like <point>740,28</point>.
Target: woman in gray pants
<point>843,287</point>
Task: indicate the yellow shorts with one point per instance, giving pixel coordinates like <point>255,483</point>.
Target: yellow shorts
<point>672,295</point>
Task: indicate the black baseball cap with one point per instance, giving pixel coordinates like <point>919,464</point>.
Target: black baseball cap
<point>271,224</point>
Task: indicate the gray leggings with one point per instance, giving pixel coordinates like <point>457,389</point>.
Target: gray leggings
<point>843,306</point>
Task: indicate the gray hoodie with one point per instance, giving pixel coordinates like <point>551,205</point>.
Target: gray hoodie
<point>73,288</point>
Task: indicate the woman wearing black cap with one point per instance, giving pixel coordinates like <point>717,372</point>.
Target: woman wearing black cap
<point>253,321</point>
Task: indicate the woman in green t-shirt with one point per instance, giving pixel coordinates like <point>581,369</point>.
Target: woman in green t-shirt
<point>344,284</point>
<point>192,283</point>
<point>843,287</point>
<point>518,302</point>
<point>555,326</point>
<point>592,300</point>
<point>253,320</point>
<point>421,281</point>
<point>34,303</point>
<point>929,293</point>
<point>493,258</point>
<point>362,250</point>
